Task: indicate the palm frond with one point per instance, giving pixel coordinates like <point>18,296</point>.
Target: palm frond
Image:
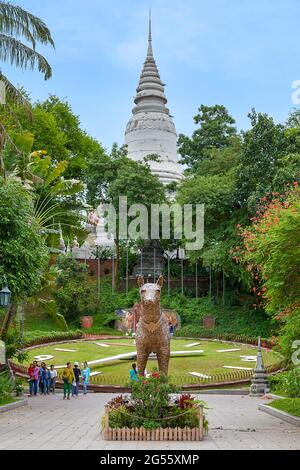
<point>22,56</point>
<point>14,95</point>
<point>15,21</point>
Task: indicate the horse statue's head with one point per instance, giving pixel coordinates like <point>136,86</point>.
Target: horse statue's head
<point>150,296</point>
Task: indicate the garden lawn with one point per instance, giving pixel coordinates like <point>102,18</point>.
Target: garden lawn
<point>7,400</point>
<point>209,363</point>
<point>289,405</point>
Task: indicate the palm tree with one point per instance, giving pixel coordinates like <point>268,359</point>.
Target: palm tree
<point>20,31</point>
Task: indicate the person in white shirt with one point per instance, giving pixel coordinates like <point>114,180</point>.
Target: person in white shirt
<point>53,377</point>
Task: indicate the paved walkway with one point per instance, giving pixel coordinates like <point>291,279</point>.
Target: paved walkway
<point>52,423</point>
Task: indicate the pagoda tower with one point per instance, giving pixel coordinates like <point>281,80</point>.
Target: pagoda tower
<point>151,130</point>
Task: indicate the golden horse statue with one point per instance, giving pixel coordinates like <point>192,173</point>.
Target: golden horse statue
<point>152,333</point>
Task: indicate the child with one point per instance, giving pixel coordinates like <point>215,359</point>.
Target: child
<point>133,373</point>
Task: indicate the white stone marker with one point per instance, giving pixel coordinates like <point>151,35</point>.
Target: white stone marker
<point>103,345</point>
<point>44,357</point>
<point>197,374</point>
<point>198,351</point>
<point>227,350</point>
<point>191,345</point>
<point>248,358</point>
<point>92,374</point>
<point>65,350</point>
<point>236,367</point>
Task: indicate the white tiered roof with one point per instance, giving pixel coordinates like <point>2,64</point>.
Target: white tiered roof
<point>151,129</point>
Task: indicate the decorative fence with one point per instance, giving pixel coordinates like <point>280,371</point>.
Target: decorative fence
<point>159,434</point>
<point>103,383</point>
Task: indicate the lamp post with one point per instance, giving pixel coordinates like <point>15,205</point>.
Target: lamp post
<point>5,298</point>
<point>182,257</point>
<point>5,295</point>
<point>169,255</point>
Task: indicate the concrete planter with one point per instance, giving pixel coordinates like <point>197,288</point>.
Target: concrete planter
<point>209,322</point>
<point>280,414</point>
<point>87,322</point>
<point>12,406</point>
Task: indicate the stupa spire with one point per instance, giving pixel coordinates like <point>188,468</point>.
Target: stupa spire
<point>150,92</point>
<point>150,50</point>
<point>151,129</point>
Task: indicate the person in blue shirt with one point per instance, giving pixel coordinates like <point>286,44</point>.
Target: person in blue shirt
<point>45,379</point>
<point>85,374</point>
<point>133,373</point>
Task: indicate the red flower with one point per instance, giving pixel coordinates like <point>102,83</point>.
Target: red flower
<point>155,375</point>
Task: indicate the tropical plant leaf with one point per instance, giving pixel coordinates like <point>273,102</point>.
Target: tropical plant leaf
<point>15,21</point>
<point>22,56</point>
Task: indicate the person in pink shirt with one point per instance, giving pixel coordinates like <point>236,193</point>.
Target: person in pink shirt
<point>31,379</point>
<point>35,376</point>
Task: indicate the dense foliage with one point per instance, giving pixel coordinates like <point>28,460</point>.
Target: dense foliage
<point>272,253</point>
<point>23,252</point>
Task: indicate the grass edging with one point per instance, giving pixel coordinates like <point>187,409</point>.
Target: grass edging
<point>280,414</point>
<point>15,404</point>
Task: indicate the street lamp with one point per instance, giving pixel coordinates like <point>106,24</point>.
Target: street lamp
<point>5,295</point>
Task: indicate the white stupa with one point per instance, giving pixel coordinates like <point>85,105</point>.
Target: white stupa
<point>151,129</point>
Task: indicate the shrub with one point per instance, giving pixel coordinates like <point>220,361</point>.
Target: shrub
<point>289,382</point>
<point>74,296</point>
<point>6,386</point>
<point>39,337</point>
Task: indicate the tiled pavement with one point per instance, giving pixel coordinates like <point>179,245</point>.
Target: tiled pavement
<point>52,423</point>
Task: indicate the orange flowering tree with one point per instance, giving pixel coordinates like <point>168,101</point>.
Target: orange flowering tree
<point>271,251</point>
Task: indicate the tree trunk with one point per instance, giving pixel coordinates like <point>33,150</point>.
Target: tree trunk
<point>7,321</point>
<point>117,263</point>
<point>2,142</point>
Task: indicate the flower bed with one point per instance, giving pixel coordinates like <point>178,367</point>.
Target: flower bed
<point>154,412</point>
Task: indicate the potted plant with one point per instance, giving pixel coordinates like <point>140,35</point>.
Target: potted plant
<point>154,411</point>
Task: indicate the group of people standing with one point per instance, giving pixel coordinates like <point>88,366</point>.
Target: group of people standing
<point>71,378</point>
<point>42,379</point>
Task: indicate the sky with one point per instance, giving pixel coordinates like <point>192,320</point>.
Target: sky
<point>239,53</point>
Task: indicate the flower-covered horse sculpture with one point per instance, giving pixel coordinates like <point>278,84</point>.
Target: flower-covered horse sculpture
<point>152,334</point>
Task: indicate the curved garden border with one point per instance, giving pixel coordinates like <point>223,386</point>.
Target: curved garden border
<point>233,378</point>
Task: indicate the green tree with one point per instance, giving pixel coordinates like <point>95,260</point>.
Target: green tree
<point>74,296</point>
<point>263,158</point>
<point>20,31</point>
<point>216,128</point>
<point>272,255</point>
<point>23,252</point>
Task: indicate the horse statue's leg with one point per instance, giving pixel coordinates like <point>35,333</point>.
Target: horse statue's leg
<point>142,358</point>
<point>163,361</point>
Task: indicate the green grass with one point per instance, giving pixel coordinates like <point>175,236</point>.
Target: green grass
<point>289,405</point>
<point>210,362</point>
<point>7,400</point>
